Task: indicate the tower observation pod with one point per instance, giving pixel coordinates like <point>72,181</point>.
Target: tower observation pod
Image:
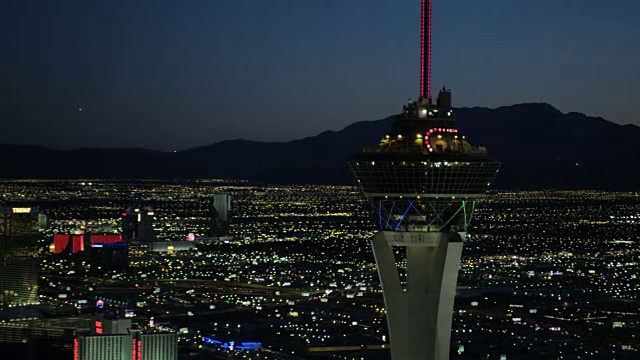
<point>423,179</point>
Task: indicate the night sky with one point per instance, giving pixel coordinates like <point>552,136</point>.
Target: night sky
<point>175,74</point>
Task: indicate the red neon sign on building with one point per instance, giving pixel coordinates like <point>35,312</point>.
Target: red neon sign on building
<point>136,350</point>
<point>427,136</point>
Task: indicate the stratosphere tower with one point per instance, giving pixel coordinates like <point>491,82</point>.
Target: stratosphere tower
<point>423,179</point>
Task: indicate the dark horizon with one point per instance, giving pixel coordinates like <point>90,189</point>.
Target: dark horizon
<point>309,136</point>
<point>527,139</point>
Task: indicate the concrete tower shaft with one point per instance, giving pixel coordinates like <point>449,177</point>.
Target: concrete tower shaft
<point>419,309</point>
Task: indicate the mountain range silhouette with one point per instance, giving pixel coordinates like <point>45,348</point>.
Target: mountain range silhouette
<point>539,147</point>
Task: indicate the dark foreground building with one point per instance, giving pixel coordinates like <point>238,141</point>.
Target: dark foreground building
<point>109,258</point>
<point>137,226</point>
<point>19,250</point>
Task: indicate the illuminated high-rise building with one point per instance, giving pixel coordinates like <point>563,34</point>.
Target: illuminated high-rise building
<point>19,249</point>
<point>103,347</point>
<point>423,179</point>
<point>135,345</point>
<point>220,207</point>
<point>157,346</point>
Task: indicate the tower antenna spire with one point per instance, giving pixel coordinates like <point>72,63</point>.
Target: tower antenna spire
<point>425,48</point>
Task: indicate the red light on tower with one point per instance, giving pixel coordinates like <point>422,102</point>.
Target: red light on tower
<point>425,48</point>
<point>429,52</point>
<point>422,19</point>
